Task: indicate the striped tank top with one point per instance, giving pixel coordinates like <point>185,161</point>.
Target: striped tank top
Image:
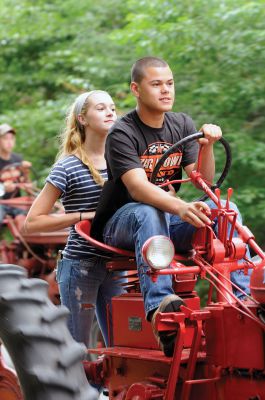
<point>79,193</point>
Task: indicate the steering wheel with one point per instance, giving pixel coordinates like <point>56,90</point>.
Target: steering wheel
<point>184,141</point>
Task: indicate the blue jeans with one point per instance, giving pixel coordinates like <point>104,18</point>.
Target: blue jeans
<point>86,288</point>
<point>134,223</point>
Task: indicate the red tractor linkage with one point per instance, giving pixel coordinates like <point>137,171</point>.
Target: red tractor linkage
<point>220,348</point>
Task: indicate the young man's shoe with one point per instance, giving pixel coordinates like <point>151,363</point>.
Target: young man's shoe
<point>166,339</point>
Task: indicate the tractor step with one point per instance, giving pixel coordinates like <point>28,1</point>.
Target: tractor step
<point>144,354</point>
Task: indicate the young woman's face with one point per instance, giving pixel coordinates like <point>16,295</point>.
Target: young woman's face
<point>7,142</point>
<point>101,113</point>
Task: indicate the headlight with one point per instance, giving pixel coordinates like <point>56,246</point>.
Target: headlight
<point>158,252</point>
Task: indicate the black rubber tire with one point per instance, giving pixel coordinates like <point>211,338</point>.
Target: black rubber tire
<point>47,360</point>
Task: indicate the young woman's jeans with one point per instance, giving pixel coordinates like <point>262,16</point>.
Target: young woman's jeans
<point>86,288</point>
<point>134,223</point>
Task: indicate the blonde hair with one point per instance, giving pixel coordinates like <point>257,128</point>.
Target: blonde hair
<point>73,136</point>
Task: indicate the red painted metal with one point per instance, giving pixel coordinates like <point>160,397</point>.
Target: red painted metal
<point>23,202</point>
<point>83,229</point>
<point>144,391</point>
<point>36,252</point>
<point>257,284</point>
<point>9,384</point>
<point>241,337</point>
<point>219,350</point>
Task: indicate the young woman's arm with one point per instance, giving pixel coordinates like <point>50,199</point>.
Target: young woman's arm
<point>39,218</point>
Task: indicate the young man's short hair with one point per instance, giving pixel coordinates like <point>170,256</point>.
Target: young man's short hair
<point>137,71</point>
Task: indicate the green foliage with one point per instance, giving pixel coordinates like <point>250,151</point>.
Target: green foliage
<point>216,50</point>
<point>52,50</point>
<point>210,47</point>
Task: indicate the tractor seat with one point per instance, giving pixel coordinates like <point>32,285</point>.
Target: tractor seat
<point>120,259</point>
<point>83,229</point>
<point>124,260</point>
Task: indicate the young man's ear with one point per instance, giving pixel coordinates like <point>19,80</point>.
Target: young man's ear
<point>134,89</point>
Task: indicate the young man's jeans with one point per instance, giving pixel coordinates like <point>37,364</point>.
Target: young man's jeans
<point>134,223</point>
<point>86,288</point>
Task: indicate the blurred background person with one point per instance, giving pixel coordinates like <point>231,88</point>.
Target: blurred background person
<point>12,170</point>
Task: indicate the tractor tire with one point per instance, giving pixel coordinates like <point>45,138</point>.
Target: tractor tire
<point>47,360</point>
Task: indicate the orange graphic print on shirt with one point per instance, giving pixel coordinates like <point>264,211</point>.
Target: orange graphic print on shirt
<point>170,167</point>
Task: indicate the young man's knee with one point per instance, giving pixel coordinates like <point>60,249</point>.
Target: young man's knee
<point>153,215</point>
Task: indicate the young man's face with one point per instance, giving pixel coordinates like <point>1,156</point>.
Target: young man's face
<point>156,90</point>
<point>7,142</point>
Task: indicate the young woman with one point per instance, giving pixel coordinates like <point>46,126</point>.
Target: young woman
<point>77,179</point>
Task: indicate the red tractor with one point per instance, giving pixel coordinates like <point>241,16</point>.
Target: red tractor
<point>36,252</point>
<point>219,350</point>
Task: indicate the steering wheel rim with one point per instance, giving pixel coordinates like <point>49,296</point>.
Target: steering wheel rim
<point>186,140</point>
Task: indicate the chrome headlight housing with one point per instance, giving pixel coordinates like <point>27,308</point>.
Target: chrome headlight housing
<point>158,252</point>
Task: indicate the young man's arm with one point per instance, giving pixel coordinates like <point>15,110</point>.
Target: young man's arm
<point>143,191</point>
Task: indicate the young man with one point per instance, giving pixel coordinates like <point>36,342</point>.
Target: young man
<point>8,158</point>
<point>132,209</point>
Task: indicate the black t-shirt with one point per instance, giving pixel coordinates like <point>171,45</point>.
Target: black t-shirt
<point>15,158</point>
<point>132,144</point>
